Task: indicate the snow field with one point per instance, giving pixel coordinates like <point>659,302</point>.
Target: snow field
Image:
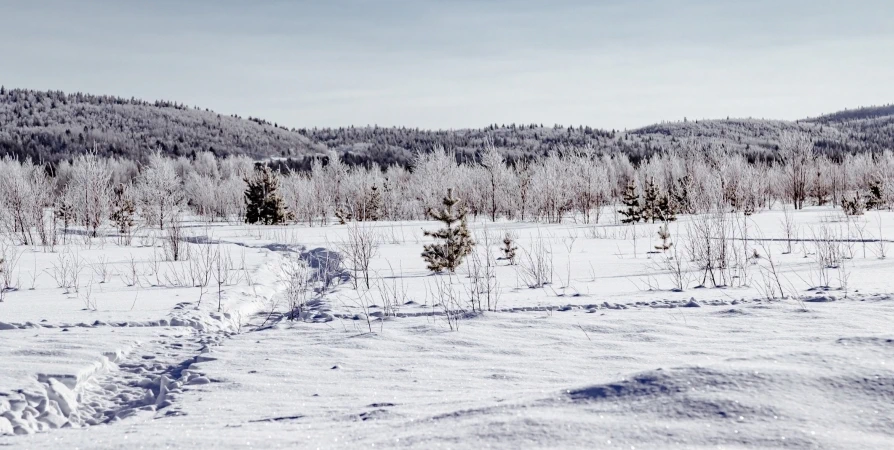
<point>606,352</point>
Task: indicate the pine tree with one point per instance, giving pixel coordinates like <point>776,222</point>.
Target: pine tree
<point>853,205</point>
<point>123,211</point>
<point>263,203</point>
<point>874,198</point>
<point>387,192</point>
<point>649,210</point>
<point>457,240</point>
<point>374,204</point>
<point>343,216</point>
<point>664,235</point>
<point>663,209</point>
<point>631,201</point>
<point>682,202</point>
<point>509,249</point>
<point>65,213</point>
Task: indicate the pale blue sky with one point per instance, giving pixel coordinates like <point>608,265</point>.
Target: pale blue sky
<point>460,63</point>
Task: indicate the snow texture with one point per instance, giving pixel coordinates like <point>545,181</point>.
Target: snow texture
<point>606,355</point>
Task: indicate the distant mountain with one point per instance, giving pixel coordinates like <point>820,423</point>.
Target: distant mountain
<point>50,126</point>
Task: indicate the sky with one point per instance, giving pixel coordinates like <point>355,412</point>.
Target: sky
<point>438,64</point>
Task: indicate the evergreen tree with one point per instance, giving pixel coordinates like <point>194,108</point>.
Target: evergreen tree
<point>681,200</point>
<point>663,209</point>
<point>343,215</point>
<point>263,202</point>
<point>509,249</point>
<point>664,235</point>
<point>631,201</point>
<point>456,239</point>
<point>874,198</point>
<point>649,209</point>
<point>65,213</point>
<point>374,204</point>
<point>853,205</point>
<point>384,207</point>
<point>123,211</point>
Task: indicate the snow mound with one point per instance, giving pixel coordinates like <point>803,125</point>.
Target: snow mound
<point>821,299</point>
<point>669,383</point>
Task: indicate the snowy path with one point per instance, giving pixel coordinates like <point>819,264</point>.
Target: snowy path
<point>730,376</point>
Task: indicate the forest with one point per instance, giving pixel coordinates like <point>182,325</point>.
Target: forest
<point>49,127</point>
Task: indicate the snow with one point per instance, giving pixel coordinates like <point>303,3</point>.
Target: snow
<point>606,356</point>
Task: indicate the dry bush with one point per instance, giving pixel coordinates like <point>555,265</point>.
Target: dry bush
<point>448,298</point>
<point>828,253</point>
<point>483,288</point>
<point>393,292</point>
<point>359,248</point>
<point>66,271</point>
<point>709,243</point>
<point>295,276</point>
<point>10,256</point>
<point>535,268</point>
<point>674,262</point>
<point>175,240</point>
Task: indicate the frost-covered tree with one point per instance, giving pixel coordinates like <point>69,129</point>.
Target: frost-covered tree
<point>552,194</point>
<point>496,175</point>
<point>159,191</point>
<point>665,236</point>
<point>589,182</point>
<point>88,191</point>
<point>25,194</point>
<point>796,151</point>
<point>431,175</point>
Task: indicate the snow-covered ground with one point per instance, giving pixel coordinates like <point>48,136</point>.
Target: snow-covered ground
<point>608,353</point>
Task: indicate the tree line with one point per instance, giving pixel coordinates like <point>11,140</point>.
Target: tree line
<point>102,194</point>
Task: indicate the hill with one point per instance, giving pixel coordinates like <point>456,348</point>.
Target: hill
<point>51,126</point>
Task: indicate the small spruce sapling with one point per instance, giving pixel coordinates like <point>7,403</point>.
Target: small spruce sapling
<point>509,248</point>
<point>665,236</point>
<point>456,239</point>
